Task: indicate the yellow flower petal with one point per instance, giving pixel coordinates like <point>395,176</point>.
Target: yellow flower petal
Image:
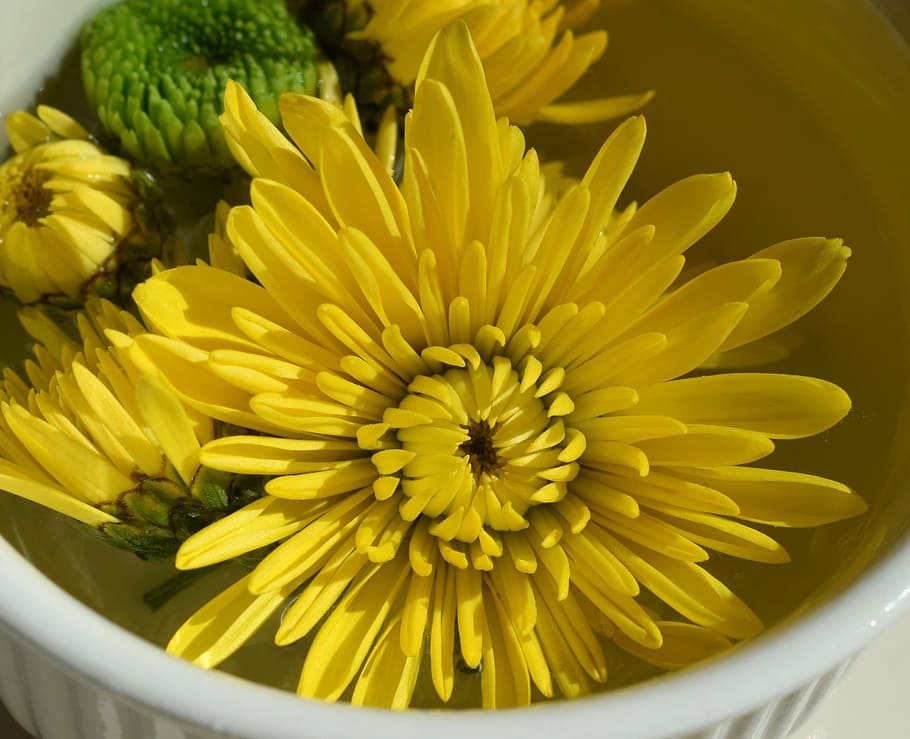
<point>257,524</point>
<point>328,524</point>
<point>442,633</point>
<point>163,303</point>
<point>740,282</point>
<point>590,111</point>
<point>436,135</point>
<point>339,477</point>
<point>23,483</point>
<point>171,425</point>
<point>780,498</point>
<point>505,681</point>
<point>222,625</point>
<point>681,214</point>
<point>687,346</point>
<point>113,429</point>
<point>367,200</point>
<point>61,124</point>
<point>810,269</point>
<point>653,533</point>
<point>204,391</point>
<point>322,592</point>
<point>724,535</point>
<point>689,589</point>
<point>453,61</point>
<point>683,645</point>
<point>25,131</point>
<point>707,446</point>
<point>388,677</point>
<point>259,147</point>
<point>259,455</point>
<point>346,638</point>
<point>780,406</point>
<point>80,469</point>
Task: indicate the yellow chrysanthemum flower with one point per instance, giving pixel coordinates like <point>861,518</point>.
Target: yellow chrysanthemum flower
<point>74,220</point>
<point>89,436</point>
<point>530,54</point>
<point>480,410</point>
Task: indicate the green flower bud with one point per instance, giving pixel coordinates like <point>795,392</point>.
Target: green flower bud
<point>155,72</point>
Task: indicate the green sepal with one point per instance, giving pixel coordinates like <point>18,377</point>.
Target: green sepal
<point>211,488</point>
<point>360,64</point>
<point>213,495</point>
<point>159,513</point>
<point>149,543</point>
<point>151,501</point>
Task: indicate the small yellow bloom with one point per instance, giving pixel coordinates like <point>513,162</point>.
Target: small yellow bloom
<point>529,50</point>
<point>94,437</point>
<point>481,409</point>
<point>74,220</point>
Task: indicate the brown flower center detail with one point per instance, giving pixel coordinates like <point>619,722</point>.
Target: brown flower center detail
<point>24,197</point>
<point>480,449</point>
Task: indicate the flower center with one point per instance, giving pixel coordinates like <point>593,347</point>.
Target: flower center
<point>480,449</point>
<point>473,448</point>
<point>23,196</point>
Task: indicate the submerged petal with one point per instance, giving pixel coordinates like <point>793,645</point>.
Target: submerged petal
<point>810,268</point>
<point>222,625</point>
<point>347,637</point>
<point>780,406</point>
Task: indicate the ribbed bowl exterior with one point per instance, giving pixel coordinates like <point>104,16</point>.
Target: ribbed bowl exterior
<point>52,702</point>
<point>778,719</point>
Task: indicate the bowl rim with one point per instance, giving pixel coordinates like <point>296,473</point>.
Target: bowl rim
<point>143,675</point>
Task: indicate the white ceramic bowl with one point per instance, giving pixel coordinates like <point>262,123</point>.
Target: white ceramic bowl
<point>68,673</point>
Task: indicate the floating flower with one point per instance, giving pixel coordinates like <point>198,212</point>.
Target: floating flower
<point>155,71</point>
<point>91,437</point>
<point>488,439</point>
<point>531,55</point>
<point>74,220</point>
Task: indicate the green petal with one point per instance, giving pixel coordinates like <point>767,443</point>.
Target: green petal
<point>156,72</point>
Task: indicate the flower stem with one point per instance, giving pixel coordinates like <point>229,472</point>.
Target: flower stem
<point>161,594</point>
